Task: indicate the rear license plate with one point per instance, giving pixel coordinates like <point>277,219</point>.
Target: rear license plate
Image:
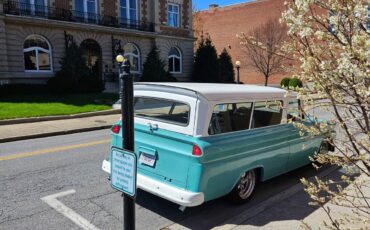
<point>147,159</point>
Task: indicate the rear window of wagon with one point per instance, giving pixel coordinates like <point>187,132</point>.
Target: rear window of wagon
<point>169,111</point>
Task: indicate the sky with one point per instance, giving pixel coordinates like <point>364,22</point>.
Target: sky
<point>203,4</point>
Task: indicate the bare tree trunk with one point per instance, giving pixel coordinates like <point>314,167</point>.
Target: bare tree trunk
<point>262,45</point>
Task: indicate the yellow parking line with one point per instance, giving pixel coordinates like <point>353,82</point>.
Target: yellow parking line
<point>52,150</point>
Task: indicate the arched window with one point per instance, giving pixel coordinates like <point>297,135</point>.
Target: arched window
<point>131,52</point>
<point>175,60</point>
<point>37,54</point>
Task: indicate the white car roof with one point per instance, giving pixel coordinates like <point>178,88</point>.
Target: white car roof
<point>217,92</point>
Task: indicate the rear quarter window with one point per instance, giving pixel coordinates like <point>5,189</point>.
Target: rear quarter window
<point>230,117</point>
<point>266,113</point>
<point>165,110</point>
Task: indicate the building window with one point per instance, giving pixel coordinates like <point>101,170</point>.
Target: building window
<point>131,52</point>
<point>86,9</point>
<point>128,10</point>
<point>37,54</point>
<point>175,60</point>
<point>173,15</point>
<point>34,7</point>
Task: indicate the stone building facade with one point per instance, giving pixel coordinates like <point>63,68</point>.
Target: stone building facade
<point>35,33</point>
<point>223,23</point>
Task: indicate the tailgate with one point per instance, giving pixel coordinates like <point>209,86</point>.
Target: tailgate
<point>162,155</point>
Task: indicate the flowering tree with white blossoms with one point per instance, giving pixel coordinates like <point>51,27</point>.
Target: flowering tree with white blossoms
<point>330,40</point>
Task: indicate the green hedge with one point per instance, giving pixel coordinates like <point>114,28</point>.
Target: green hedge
<point>23,89</point>
<point>88,85</point>
<point>285,82</point>
<point>295,82</point>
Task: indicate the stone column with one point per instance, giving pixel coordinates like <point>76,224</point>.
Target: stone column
<point>3,46</point>
<point>1,7</point>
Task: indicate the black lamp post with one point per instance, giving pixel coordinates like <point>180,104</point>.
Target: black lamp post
<point>127,111</point>
<point>237,64</point>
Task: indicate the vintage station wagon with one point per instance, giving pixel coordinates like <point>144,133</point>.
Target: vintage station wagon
<point>196,142</point>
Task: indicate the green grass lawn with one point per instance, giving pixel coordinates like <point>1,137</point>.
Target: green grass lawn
<point>22,106</point>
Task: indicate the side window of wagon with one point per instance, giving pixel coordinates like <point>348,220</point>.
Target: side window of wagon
<point>266,113</point>
<point>161,109</point>
<point>294,111</point>
<point>230,117</point>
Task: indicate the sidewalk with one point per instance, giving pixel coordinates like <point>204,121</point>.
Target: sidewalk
<point>22,131</point>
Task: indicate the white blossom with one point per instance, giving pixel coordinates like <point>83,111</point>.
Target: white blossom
<point>333,55</point>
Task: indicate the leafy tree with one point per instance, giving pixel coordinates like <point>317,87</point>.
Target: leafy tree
<point>205,67</point>
<point>74,75</point>
<point>154,68</point>
<point>226,68</point>
<point>330,42</point>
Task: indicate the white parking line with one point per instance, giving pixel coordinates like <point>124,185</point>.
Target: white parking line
<point>67,212</point>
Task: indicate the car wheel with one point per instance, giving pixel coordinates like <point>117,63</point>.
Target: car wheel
<point>243,190</point>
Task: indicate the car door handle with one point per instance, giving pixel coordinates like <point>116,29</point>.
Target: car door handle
<point>153,127</point>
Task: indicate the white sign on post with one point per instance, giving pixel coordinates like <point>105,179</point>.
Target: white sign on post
<point>123,171</point>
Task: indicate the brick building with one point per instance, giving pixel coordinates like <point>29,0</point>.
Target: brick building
<point>223,23</point>
<point>34,34</point>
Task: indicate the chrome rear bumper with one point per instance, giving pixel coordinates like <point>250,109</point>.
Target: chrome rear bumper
<point>176,195</point>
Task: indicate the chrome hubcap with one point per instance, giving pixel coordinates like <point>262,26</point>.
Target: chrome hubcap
<point>246,184</point>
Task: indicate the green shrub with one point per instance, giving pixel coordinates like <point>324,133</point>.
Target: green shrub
<point>295,82</point>
<point>90,84</point>
<point>22,89</point>
<point>226,68</point>
<point>154,69</point>
<point>285,82</point>
<point>74,75</point>
<point>205,67</point>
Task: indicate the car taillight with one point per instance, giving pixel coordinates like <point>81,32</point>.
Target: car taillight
<point>115,129</point>
<point>196,151</point>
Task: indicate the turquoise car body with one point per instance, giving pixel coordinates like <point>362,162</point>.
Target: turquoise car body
<point>271,151</point>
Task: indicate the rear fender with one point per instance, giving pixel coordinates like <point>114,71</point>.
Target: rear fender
<point>259,170</point>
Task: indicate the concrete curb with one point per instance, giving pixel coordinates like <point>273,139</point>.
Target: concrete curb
<point>61,117</point>
<point>253,211</point>
<point>57,133</point>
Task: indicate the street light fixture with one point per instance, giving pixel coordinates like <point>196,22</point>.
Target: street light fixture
<point>119,59</point>
<point>237,64</point>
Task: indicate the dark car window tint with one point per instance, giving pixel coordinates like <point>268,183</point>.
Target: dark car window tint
<point>266,113</point>
<point>160,109</point>
<point>230,117</point>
